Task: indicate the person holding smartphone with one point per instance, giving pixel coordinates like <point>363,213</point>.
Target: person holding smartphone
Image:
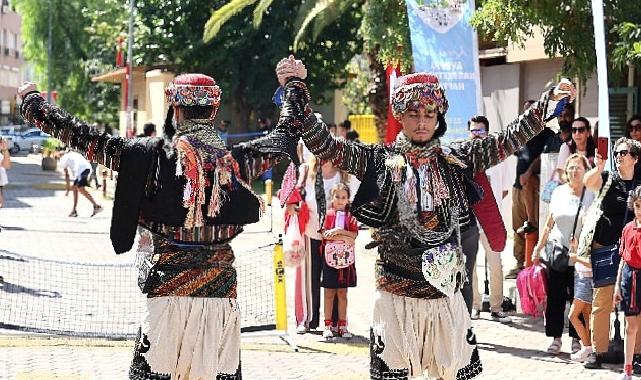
<point>608,231</point>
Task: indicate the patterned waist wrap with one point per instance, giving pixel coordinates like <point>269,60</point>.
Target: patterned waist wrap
<point>399,268</point>
<point>195,269</point>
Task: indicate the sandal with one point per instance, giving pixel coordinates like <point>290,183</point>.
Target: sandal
<point>555,347</point>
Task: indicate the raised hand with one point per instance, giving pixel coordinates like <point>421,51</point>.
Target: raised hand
<point>564,89</point>
<point>290,67</point>
<point>26,88</point>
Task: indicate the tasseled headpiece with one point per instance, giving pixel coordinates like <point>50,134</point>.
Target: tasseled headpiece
<point>188,90</point>
<point>416,90</point>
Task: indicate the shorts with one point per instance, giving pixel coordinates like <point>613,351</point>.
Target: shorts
<point>82,179</point>
<point>631,279</point>
<point>583,288</point>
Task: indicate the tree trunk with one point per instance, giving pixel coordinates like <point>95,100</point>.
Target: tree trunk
<point>241,112</point>
<point>378,98</point>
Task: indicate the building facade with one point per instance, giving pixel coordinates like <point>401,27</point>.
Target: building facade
<point>11,62</point>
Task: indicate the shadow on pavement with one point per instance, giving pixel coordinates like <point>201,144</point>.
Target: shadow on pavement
<point>8,287</point>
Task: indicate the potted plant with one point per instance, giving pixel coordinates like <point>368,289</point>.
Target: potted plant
<point>49,158</point>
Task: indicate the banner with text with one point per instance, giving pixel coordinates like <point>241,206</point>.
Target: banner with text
<point>444,44</point>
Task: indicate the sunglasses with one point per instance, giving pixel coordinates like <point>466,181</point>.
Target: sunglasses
<point>477,131</point>
<point>622,152</point>
<point>579,130</point>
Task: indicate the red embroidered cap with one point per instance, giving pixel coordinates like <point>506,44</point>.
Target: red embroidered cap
<point>188,90</point>
<point>416,90</point>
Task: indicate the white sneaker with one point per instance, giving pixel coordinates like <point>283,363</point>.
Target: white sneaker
<point>301,329</point>
<point>500,316</point>
<point>328,333</point>
<point>475,314</point>
<point>581,355</point>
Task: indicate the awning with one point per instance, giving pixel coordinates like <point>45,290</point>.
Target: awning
<point>117,75</point>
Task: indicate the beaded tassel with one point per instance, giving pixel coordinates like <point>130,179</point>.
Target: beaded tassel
<point>410,186</point>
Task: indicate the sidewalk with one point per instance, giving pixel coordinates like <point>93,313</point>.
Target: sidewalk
<point>35,223</point>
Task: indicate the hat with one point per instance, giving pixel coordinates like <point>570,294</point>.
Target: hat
<point>416,90</point>
<point>188,90</point>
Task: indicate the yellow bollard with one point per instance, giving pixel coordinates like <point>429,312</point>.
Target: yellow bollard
<point>279,286</point>
<point>268,191</point>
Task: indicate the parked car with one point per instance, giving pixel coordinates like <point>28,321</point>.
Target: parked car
<point>31,140</point>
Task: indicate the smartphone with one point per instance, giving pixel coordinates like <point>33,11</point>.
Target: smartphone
<point>602,147</point>
<point>340,219</point>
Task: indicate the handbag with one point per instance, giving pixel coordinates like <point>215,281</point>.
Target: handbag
<point>605,262</point>
<point>293,244</point>
<point>557,257</point>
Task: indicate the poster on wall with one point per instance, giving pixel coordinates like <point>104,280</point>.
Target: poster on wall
<point>444,44</point>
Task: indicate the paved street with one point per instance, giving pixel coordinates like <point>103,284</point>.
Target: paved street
<point>35,225</point>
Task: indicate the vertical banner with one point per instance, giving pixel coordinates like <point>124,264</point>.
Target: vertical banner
<point>444,44</point>
<point>602,74</point>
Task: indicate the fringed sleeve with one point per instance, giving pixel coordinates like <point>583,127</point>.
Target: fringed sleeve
<point>75,133</point>
<point>481,154</point>
<point>346,155</point>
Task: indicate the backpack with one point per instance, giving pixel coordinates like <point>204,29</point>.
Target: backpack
<point>531,284</point>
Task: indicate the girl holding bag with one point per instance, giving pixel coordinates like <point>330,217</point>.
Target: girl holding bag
<point>339,271</point>
<point>564,282</point>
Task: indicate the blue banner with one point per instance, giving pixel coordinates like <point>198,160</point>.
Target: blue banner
<point>444,44</point>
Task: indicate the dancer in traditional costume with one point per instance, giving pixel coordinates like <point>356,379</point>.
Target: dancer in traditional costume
<point>188,198</point>
<point>417,193</point>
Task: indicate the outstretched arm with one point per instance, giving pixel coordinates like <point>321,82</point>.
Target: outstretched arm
<point>75,133</point>
<point>482,154</point>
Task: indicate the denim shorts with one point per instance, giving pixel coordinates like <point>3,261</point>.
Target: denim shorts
<point>583,288</point>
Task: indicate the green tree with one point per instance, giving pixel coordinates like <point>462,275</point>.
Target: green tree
<point>567,29</point>
<point>76,53</point>
<point>382,27</point>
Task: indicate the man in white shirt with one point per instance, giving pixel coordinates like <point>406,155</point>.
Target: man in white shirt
<point>74,164</point>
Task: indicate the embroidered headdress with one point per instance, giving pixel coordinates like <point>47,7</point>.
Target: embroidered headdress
<point>419,89</point>
<point>188,90</point>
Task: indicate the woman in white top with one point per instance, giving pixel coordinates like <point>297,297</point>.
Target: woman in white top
<point>5,163</point>
<point>576,282</point>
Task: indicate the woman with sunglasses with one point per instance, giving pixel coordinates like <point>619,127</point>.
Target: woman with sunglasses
<point>581,142</point>
<point>633,128</point>
<point>608,231</point>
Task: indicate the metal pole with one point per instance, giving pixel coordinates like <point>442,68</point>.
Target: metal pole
<point>130,60</point>
<point>49,56</point>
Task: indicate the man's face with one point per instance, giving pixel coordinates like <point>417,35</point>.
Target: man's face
<point>223,126</point>
<point>566,115</point>
<point>477,130</point>
<point>419,125</point>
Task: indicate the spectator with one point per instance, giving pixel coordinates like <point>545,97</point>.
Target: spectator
<point>148,130</point>
<point>565,119</point>
<point>607,232</point>
<point>344,128</point>
<point>74,164</point>
<point>223,130</point>
<point>568,205</point>
<point>633,128</point>
<point>628,285</point>
<point>581,142</point>
<point>496,184</point>
<point>525,194</point>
